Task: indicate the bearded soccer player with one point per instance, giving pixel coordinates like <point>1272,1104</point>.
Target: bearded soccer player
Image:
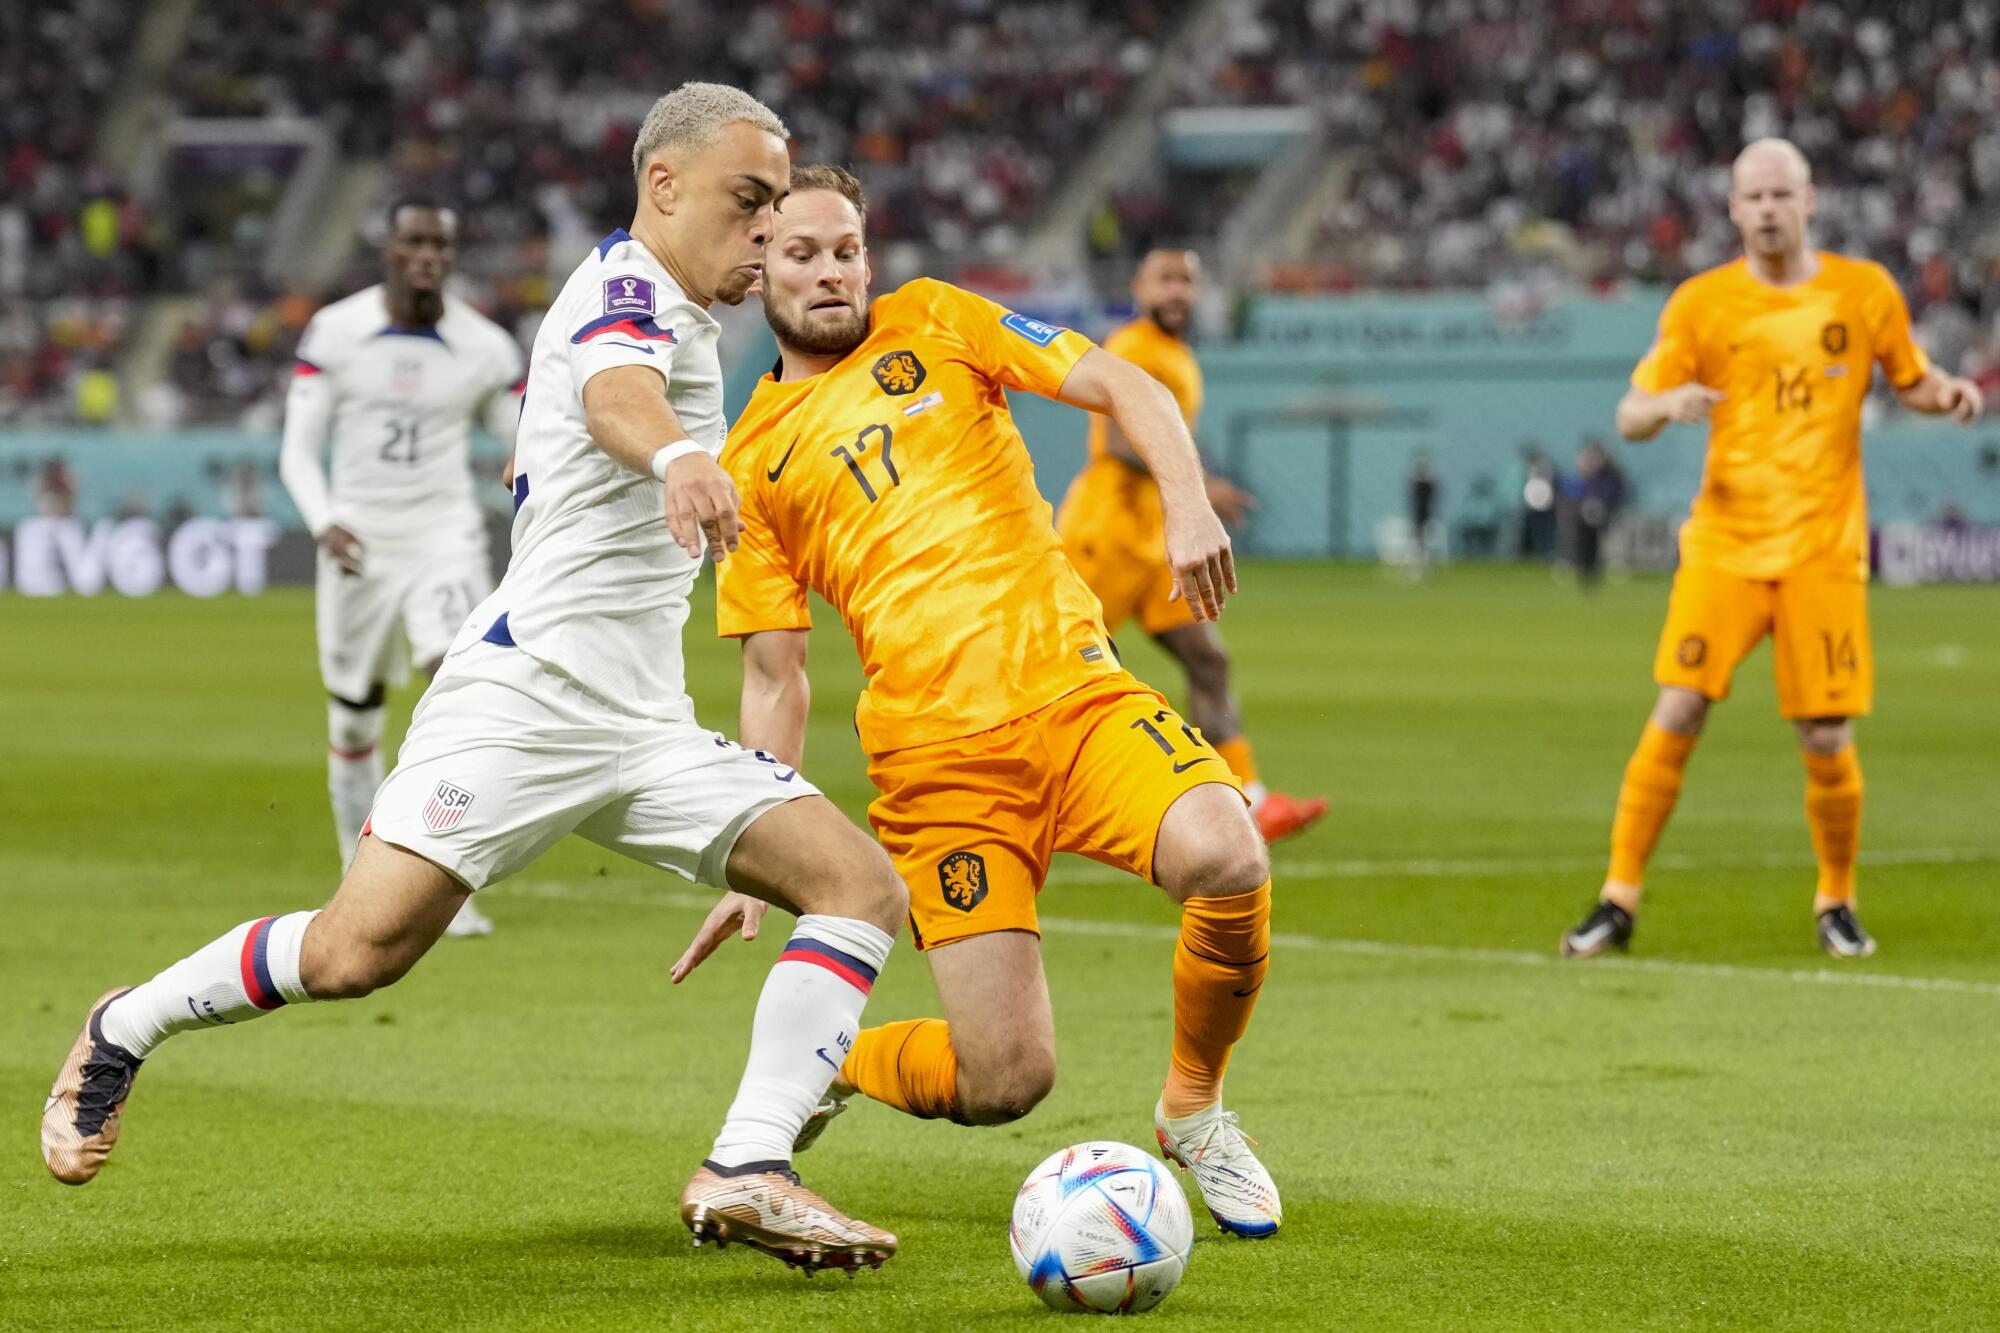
<point>394,374</point>
<point>1114,531</point>
<point>880,468</point>
<point>561,707</point>
<point>1774,351</point>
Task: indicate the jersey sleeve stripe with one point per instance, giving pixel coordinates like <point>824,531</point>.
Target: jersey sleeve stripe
<point>303,368</point>
<point>643,326</point>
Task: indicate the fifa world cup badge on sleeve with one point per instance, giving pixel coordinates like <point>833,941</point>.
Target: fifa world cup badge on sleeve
<point>628,295</point>
<point>1036,332</point>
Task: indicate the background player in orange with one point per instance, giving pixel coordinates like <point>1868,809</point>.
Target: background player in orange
<point>1775,351</point>
<point>1113,527</point>
<point>879,467</point>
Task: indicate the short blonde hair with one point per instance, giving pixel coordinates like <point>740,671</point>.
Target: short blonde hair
<point>692,116</point>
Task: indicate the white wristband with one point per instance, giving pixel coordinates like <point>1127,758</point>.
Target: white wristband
<point>668,453</point>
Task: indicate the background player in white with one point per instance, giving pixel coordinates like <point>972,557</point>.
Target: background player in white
<point>562,707</point>
<point>395,373</point>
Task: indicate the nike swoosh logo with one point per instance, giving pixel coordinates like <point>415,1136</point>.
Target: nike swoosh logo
<point>772,475</point>
<point>1246,994</point>
<point>634,346</point>
<point>821,1053</point>
<point>1182,768</point>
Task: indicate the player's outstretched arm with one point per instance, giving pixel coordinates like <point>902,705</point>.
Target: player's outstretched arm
<point>777,694</point>
<point>627,410</point>
<point>1642,415</point>
<point>1939,394</point>
<point>1145,412</point>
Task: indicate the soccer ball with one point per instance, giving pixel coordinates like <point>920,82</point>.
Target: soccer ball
<point>1101,1227</point>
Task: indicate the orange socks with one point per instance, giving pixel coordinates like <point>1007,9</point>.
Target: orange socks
<point>1652,785</point>
<point>1833,810</point>
<point>1219,966</point>
<point>1235,752</point>
<point>908,1065</point>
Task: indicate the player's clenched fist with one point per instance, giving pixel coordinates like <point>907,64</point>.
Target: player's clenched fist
<point>343,546</point>
<point>702,506</point>
<point>1204,568</point>
<point>1690,403</point>
<point>1961,399</point>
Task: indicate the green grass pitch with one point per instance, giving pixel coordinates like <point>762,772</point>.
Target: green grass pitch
<point>1724,1131</point>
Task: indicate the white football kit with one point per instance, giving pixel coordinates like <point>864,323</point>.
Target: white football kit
<point>562,706</point>
<point>399,405</point>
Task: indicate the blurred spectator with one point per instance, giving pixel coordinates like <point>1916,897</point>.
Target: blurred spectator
<point>243,491</point>
<point>1593,495</point>
<point>1539,483</point>
<point>55,489</point>
<point>1423,506</point>
<point>1479,520</point>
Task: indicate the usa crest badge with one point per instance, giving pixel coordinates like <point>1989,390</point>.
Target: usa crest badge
<point>446,808</point>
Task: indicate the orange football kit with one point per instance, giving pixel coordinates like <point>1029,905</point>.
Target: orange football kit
<point>1111,521</point>
<point>1777,540</point>
<point>998,723</point>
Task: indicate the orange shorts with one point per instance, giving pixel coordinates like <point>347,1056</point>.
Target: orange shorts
<point>1818,623</point>
<point>971,823</point>
<point>1123,557</point>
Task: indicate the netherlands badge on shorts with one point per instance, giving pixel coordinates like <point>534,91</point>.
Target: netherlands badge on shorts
<point>446,807</point>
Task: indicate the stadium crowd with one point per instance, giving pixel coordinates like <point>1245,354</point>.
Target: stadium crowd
<point>1492,138</point>
<point>74,247</point>
<point>1474,140</point>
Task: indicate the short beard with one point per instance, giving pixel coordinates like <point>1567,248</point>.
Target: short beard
<point>1158,316</point>
<point>427,306</point>
<point>819,340</point>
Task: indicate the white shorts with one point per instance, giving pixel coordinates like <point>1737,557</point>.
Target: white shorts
<point>403,610</point>
<point>506,755</point>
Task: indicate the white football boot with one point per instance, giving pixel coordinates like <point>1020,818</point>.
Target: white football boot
<point>831,1105</point>
<point>1239,1192</point>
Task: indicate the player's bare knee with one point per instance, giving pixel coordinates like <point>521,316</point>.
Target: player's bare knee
<point>1208,848</point>
<point>867,887</point>
<point>1008,1091</point>
<point>1680,711</point>
<point>1208,671</point>
<point>1230,864</point>
<point>1825,735</point>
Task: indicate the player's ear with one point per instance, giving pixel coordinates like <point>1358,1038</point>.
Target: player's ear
<point>662,185</point>
<point>867,271</point>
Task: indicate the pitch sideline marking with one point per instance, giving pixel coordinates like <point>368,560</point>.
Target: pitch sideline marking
<point>679,898</point>
<point>1477,868</point>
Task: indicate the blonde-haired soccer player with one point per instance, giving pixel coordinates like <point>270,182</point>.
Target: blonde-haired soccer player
<point>562,707</point>
<point>1775,352</point>
<point>881,468</point>
<point>1115,533</point>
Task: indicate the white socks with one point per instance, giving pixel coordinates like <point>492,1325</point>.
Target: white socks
<point>806,1021</point>
<point>247,973</point>
<point>353,769</point>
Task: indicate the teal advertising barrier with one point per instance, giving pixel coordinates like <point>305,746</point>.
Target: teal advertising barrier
<point>1320,407</point>
<point>1323,404</point>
